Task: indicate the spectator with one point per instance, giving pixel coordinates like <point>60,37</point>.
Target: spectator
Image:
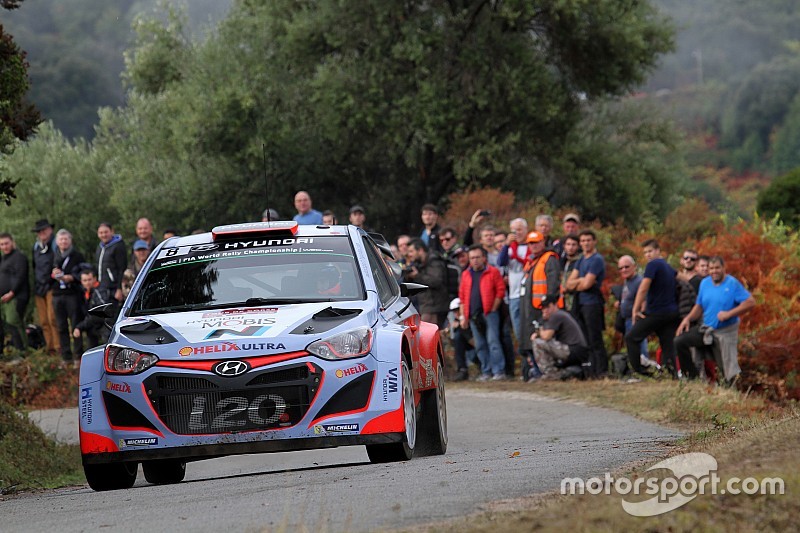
<point>481,294</point>
<point>329,218</point>
<point>14,292</point>
<point>475,222</point>
<point>140,254</point>
<point>571,252</point>
<point>559,342</point>
<point>431,231</point>
<point>305,214</point>
<point>500,237</point>
<point>43,283</point>
<point>655,310</point>
<point>460,338</point>
<point>169,233</point>
<point>67,294</point>
<point>544,225</point>
<point>586,279</point>
<point>570,225</point>
<point>448,241</point>
<point>402,247</point>
<point>513,256</point>
<point>128,277</point>
<point>270,215</point>
<point>688,272</point>
<point>542,277</point>
<point>429,269</point>
<point>720,302</point>
<point>487,243</point>
<point>631,279</point>
<point>358,217</point>
<point>144,232</point>
<point>702,266</point>
<point>461,257</point>
<point>111,260</point>
<point>93,326</point>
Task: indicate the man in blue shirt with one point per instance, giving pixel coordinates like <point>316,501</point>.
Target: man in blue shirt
<point>720,301</point>
<point>586,279</point>
<point>655,310</point>
<point>305,215</point>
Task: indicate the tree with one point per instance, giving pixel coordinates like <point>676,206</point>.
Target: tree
<point>782,197</point>
<point>18,119</point>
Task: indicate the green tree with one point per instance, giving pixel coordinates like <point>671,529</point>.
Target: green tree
<point>782,197</point>
<point>18,119</point>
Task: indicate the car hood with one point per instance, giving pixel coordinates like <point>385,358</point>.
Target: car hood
<point>246,330</point>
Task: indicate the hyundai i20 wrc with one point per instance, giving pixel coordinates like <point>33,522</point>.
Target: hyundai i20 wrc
<point>261,337</point>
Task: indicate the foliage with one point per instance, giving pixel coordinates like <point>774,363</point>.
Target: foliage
<point>38,381</point>
<point>782,197</point>
<point>18,119</point>
<point>30,460</point>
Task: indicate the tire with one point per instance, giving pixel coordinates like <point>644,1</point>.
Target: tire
<point>399,451</point>
<point>164,472</point>
<point>111,476</point>
<point>432,432</point>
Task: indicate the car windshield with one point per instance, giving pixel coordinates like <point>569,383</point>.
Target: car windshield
<point>255,272</point>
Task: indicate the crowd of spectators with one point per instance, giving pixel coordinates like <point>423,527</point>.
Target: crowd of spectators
<point>541,289</point>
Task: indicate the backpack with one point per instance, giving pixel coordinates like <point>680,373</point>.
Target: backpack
<point>35,336</point>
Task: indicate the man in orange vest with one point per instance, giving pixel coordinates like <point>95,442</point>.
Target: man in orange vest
<point>542,277</point>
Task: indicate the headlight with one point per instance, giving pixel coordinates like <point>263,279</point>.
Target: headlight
<point>353,343</point>
<point>120,360</point>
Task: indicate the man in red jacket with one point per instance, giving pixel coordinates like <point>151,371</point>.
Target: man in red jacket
<point>481,293</point>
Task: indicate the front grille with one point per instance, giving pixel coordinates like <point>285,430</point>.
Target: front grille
<point>194,405</point>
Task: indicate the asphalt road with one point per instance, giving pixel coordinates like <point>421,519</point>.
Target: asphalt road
<point>503,445</point>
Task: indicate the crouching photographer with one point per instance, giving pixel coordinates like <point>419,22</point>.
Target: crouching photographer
<point>559,346</point>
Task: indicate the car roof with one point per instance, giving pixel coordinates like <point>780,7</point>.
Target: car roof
<point>258,230</point>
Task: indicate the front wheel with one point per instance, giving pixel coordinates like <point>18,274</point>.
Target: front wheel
<point>164,472</point>
<point>111,476</point>
<point>433,422</point>
<point>399,451</point>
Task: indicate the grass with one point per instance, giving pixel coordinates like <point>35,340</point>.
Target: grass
<point>748,436</point>
<point>31,460</point>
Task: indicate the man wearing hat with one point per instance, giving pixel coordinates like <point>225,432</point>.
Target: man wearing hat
<point>542,273</point>
<point>570,225</point>
<point>42,260</point>
<point>559,341</point>
<point>358,217</point>
<point>141,251</point>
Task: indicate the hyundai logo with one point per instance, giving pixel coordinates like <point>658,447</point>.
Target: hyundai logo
<point>231,368</point>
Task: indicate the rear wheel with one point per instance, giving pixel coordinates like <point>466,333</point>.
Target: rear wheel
<point>433,422</point>
<point>399,451</point>
<point>111,476</point>
<point>164,472</point>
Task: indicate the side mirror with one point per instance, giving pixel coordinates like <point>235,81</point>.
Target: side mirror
<point>104,311</point>
<point>410,289</point>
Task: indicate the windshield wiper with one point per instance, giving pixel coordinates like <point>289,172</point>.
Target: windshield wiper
<point>269,301</point>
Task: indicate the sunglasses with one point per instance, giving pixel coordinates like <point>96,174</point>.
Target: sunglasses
<point>446,238</point>
<point>689,258</point>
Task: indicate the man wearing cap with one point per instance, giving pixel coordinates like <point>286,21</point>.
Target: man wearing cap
<point>14,292</point>
<point>558,342</point>
<point>542,276</point>
<point>570,225</point>
<point>140,254</point>
<point>42,260</point>
<point>358,217</point>
<point>305,214</point>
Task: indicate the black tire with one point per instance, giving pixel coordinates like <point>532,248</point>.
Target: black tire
<point>399,451</point>
<point>432,426</point>
<point>164,472</point>
<point>111,476</point>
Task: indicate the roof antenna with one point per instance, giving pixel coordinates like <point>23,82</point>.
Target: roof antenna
<point>266,181</point>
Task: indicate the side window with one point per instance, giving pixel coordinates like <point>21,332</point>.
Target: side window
<point>387,288</point>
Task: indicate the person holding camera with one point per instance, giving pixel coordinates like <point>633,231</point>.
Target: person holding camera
<point>428,269</point>
<point>481,293</point>
<point>558,343</point>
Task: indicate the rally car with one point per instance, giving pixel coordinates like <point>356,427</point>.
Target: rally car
<point>260,337</point>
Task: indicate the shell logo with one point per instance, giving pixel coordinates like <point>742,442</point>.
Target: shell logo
<point>186,350</point>
<point>339,374</point>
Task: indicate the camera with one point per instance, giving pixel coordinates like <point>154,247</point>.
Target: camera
<point>485,213</point>
<point>536,326</point>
